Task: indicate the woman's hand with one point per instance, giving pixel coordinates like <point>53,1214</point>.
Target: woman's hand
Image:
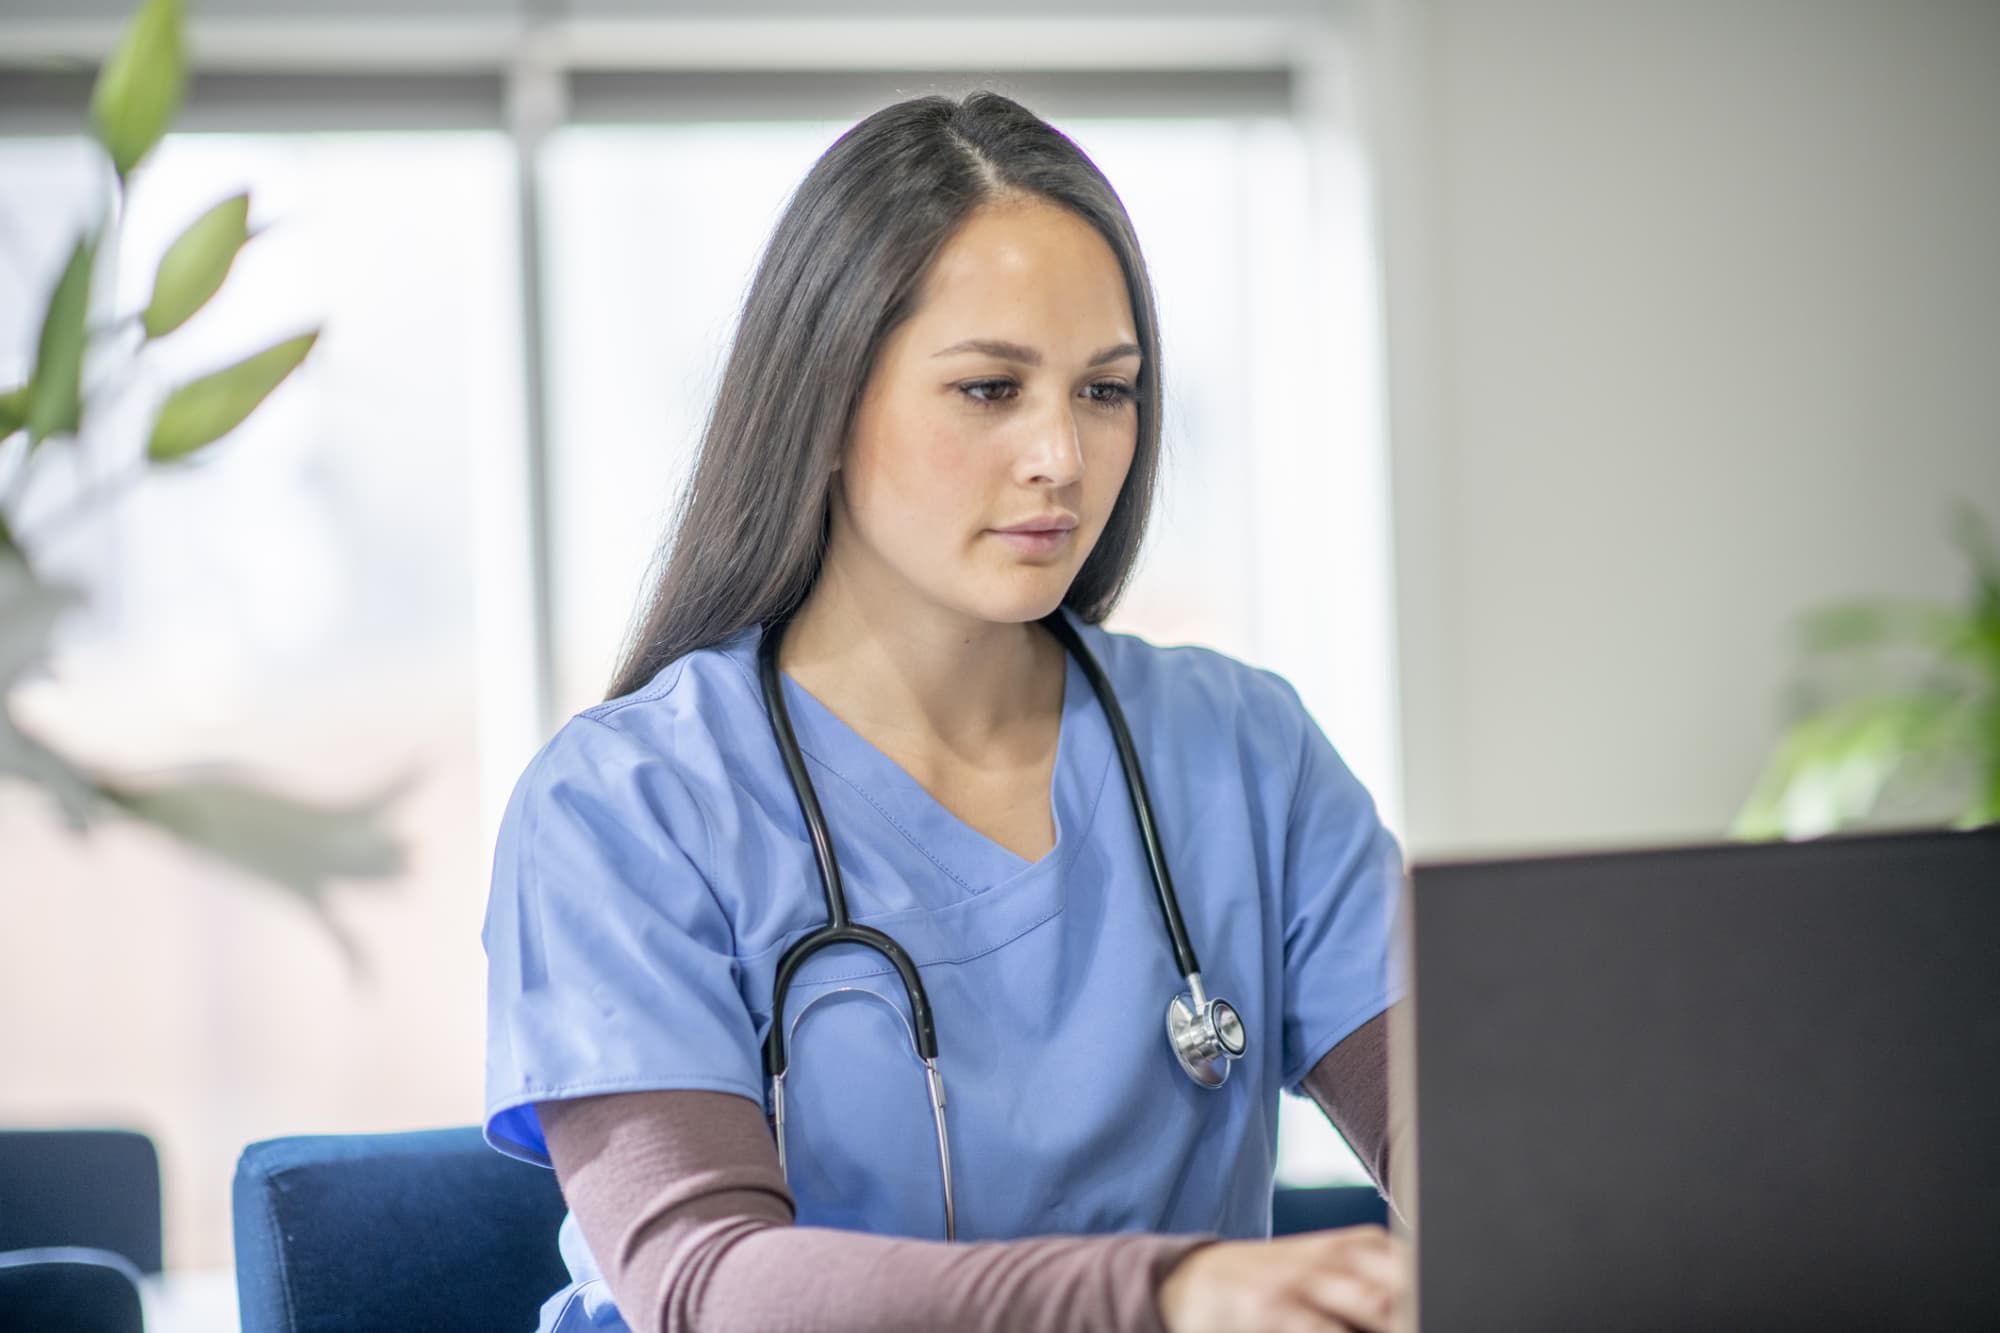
<point>1319,1282</point>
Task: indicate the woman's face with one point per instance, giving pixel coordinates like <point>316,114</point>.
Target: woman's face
<point>997,424</point>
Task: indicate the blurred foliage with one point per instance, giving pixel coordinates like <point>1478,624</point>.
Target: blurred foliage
<point>1892,696</point>
<point>298,845</point>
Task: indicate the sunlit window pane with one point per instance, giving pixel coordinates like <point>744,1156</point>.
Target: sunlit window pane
<point>305,601</point>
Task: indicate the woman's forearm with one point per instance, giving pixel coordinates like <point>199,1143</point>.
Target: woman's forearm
<point>681,1201</point>
<point>1351,1084</point>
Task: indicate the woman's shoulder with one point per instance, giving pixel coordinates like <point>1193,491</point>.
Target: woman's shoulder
<point>671,736</point>
<point>697,691</point>
<point>1186,679</point>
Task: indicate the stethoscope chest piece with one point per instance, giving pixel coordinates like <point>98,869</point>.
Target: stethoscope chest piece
<point>1207,1035</point>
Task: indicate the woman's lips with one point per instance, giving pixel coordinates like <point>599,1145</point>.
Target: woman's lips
<point>1033,541</point>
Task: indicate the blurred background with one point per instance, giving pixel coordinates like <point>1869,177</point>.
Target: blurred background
<point>1531,365</point>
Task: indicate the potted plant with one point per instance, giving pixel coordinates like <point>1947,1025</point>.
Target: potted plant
<point>1894,698</point>
<point>79,368</point>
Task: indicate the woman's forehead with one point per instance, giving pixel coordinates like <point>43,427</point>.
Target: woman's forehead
<point>1031,273</point>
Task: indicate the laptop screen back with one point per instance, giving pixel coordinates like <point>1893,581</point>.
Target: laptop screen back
<point>1748,1086</point>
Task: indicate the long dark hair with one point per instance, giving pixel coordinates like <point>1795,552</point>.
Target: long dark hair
<point>844,267</point>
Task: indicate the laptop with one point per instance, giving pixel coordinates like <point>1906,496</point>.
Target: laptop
<point>1750,1086</point>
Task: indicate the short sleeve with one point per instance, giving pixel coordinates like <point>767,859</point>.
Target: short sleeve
<point>1343,887</point>
<point>610,962</point>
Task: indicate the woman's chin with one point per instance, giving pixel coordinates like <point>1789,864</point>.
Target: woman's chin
<point>1019,599</point>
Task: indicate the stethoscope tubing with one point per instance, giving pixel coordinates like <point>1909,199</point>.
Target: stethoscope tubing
<point>1135,789</point>
<point>1204,1048</point>
<point>838,930</point>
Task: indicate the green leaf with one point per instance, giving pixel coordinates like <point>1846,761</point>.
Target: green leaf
<point>199,413</point>
<point>1972,534</point>
<point>1853,625</point>
<point>27,759</point>
<point>55,391</point>
<point>13,411</point>
<point>1985,808</point>
<point>1832,767</point>
<point>296,844</point>
<point>139,89</point>
<point>194,266</point>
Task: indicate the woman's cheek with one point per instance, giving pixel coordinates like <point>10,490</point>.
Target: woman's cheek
<point>952,469</point>
<point>923,494</point>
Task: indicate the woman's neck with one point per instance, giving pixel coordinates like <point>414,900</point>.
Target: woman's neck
<point>924,678</point>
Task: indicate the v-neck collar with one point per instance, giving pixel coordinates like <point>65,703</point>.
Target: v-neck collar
<point>975,861</point>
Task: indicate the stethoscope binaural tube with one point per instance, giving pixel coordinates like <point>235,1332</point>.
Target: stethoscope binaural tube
<point>1205,1034</point>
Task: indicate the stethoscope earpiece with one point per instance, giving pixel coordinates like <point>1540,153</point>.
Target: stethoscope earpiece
<point>1207,1035</point>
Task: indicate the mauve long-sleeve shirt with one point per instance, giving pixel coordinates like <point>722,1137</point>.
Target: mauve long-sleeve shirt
<point>680,1199</point>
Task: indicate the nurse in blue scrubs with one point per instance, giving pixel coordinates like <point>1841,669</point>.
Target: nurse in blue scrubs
<point>939,424</point>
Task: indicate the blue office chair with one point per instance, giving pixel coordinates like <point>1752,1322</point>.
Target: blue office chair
<point>344,1233</point>
<point>79,1225</point>
<point>435,1230</point>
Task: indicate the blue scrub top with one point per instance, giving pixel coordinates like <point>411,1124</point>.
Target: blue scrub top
<point>652,866</point>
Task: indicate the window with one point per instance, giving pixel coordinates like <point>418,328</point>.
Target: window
<point>341,593</point>
<point>304,602</point>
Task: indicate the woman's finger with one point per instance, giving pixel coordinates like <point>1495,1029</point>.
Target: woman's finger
<point>1366,1305</point>
<point>1308,1318</point>
<point>1353,1240</point>
<point>1387,1266</point>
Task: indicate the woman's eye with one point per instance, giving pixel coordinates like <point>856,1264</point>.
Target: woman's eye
<point>1112,393</point>
<point>1103,393</point>
<point>989,391</point>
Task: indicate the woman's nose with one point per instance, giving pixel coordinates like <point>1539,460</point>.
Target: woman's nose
<point>1056,457</point>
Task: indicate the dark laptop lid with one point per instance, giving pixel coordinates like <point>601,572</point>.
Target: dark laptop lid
<point>1747,1086</point>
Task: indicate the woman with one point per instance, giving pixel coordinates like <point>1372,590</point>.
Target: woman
<point>938,428</point>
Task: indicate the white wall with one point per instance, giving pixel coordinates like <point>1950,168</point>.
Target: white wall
<point>1694,318</point>
<point>1694,314</point>
<point>1693,311</point>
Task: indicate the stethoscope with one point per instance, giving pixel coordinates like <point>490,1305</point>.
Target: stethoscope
<point>1206,1035</point>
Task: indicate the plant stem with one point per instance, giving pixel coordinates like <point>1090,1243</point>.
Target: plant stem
<point>17,478</point>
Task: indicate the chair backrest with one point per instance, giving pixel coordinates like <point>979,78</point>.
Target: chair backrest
<point>1324,1207</point>
<point>435,1230</point>
<point>430,1230</point>
<point>97,1188</point>
<point>70,1287</point>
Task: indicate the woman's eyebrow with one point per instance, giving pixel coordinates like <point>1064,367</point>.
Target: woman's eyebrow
<point>1028,356</point>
